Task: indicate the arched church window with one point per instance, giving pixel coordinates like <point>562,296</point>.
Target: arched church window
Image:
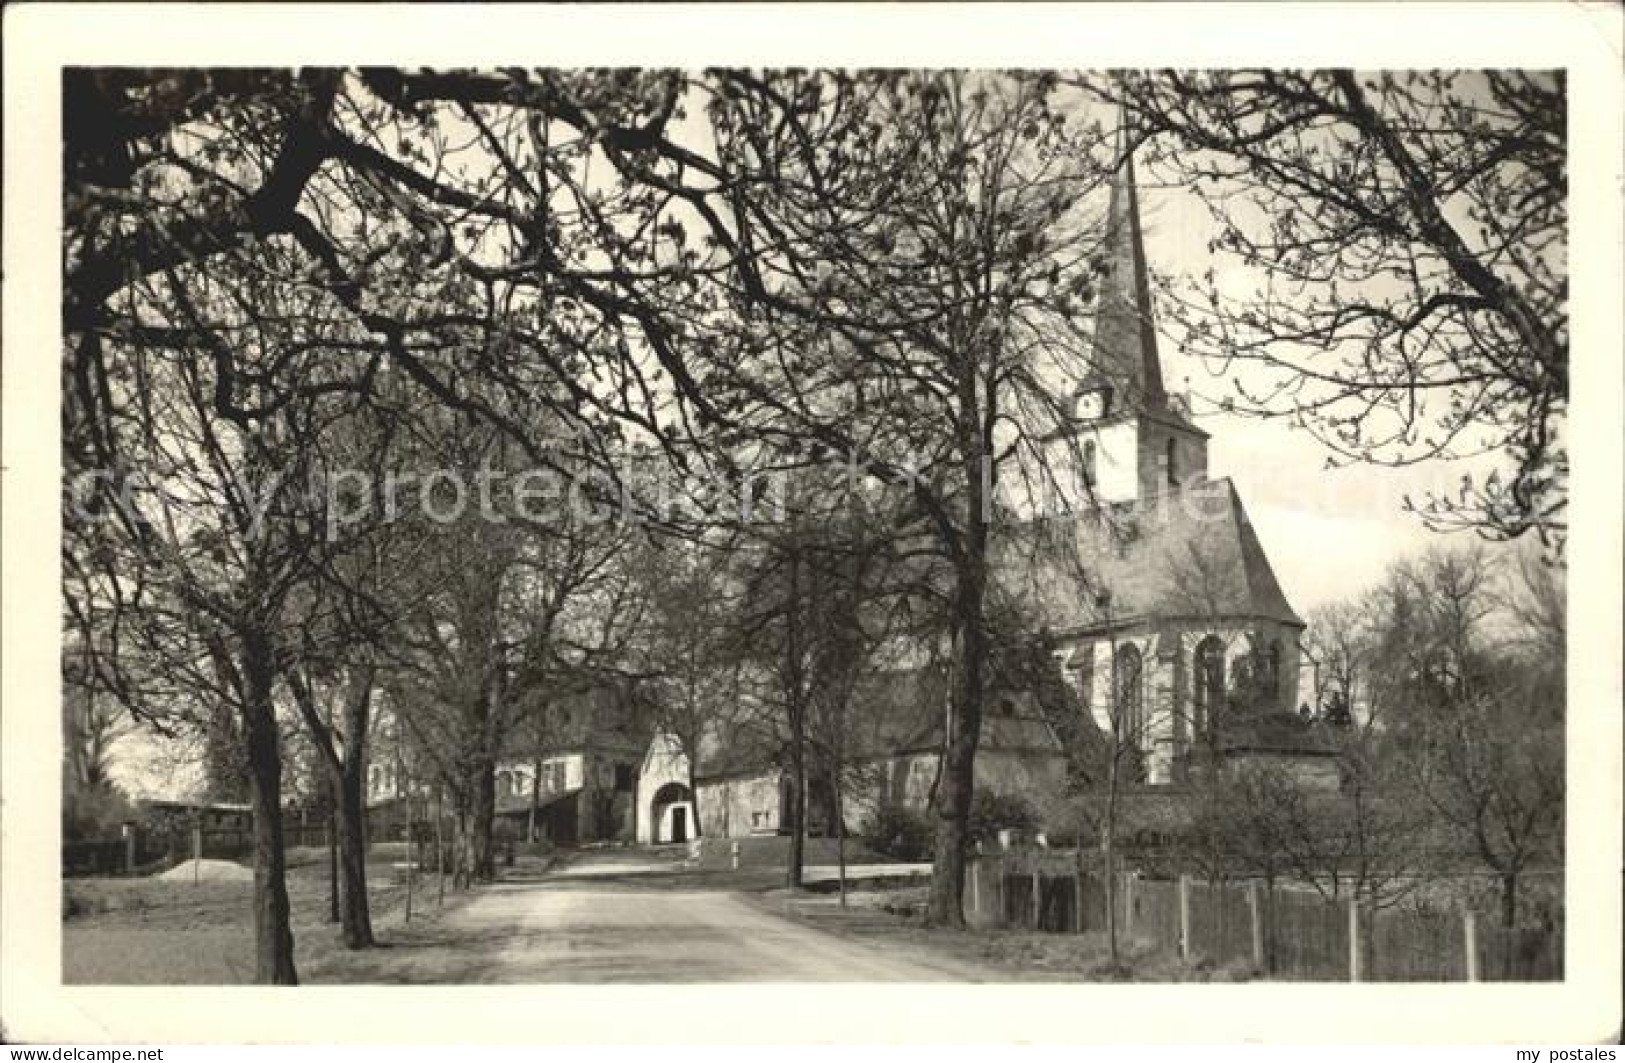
<point>1277,681</point>
<point>1129,718</point>
<point>1173,474</point>
<point>1130,706</point>
<point>1089,463</point>
<point>1208,694</point>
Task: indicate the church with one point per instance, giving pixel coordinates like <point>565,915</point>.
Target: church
<point>1174,637</point>
<point>1172,626</point>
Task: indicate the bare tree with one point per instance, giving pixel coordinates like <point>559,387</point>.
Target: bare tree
<point>1409,231</point>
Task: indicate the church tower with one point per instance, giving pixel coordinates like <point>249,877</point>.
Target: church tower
<point>1127,440</point>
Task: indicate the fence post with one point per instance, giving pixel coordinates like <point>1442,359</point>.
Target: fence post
<point>1354,939</point>
<point>128,831</point>
<point>1038,897</point>
<point>975,883</point>
<point>1469,926</point>
<point>1255,909</point>
<point>1185,917</point>
<point>1077,895</point>
<point>197,851</point>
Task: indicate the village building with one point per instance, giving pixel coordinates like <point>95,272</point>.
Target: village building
<point>739,787</point>
<point>569,776</point>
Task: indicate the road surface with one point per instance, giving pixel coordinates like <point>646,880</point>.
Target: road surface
<point>623,917</point>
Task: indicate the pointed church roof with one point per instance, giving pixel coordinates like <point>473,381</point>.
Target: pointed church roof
<point>1190,554</point>
<point>1125,338</point>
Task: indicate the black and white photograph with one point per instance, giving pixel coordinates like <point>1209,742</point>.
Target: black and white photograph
<point>824,524</point>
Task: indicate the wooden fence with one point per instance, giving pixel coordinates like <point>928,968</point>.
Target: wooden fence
<point>1289,934</point>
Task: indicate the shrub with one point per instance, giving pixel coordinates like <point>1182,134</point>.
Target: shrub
<point>993,812</point>
<point>900,833</point>
<point>94,814</point>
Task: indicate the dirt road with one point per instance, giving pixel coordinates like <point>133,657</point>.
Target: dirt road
<point>623,917</point>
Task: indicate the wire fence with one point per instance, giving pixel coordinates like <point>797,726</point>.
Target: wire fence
<point>1279,932</point>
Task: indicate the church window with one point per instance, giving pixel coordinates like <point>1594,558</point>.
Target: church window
<point>1089,463</point>
<point>1130,691</point>
<point>1173,474</point>
<point>1209,686</point>
<point>1277,680</point>
<point>1129,715</point>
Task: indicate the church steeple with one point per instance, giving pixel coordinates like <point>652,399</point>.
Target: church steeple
<point>1125,340</point>
<point>1128,440</point>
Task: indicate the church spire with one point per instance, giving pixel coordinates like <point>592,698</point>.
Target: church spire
<point>1125,341</point>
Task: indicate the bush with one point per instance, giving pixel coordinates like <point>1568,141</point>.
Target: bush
<point>993,812</point>
<point>900,833</point>
<point>94,814</point>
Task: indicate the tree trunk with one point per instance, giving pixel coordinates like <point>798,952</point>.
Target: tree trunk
<point>946,903</point>
<point>346,776</point>
<point>535,799</point>
<point>1108,849</point>
<point>797,817</point>
<point>461,847</point>
<point>840,836</point>
<point>333,913</point>
<point>693,794</point>
<point>483,787</point>
<point>356,915</point>
<point>440,845</point>
<point>797,810</point>
<point>795,689</point>
<point>273,936</point>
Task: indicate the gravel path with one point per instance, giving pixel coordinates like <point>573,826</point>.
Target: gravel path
<point>620,917</point>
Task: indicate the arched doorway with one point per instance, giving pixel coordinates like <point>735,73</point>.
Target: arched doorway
<point>672,814</point>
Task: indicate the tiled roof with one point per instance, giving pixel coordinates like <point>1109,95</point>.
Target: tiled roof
<point>508,804</point>
<point>893,712</point>
<point>1189,553</point>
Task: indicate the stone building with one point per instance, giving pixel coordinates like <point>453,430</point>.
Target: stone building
<point>740,787</point>
<point>569,776</point>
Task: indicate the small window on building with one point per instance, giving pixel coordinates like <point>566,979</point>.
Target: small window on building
<point>1173,472</point>
<point>1089,463</point>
